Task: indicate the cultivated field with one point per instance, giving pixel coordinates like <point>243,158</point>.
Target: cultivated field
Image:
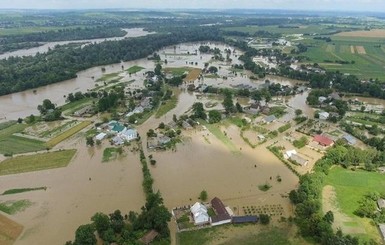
<point>54,141</point>
<point>371,33</point>
<point>193,74</point>
<point>42,161</point>
<point>354,55</point>
<point>347,188</point>
<point>9,230</point>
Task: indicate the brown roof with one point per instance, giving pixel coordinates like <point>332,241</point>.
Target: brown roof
<point>149,236</point>
<point>220,210</point>
<point>323,140</point>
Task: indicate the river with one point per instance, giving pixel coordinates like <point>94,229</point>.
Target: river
<point>133,32</point>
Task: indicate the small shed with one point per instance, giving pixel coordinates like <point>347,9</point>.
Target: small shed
<point>244,219</point>
<point>100,136</point>
<point>382,230</point>
<point>350,139</point>
<point>324,115</point>
<point>298,159</point>
<point>149,237</point>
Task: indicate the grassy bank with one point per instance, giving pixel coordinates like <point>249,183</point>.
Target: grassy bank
<point>12,207</point>
<point>167,106</point>
<point>216,131</point>
<point>21,190</point>
<point>42,161</point>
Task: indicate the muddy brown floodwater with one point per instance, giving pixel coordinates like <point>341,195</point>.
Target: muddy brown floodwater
<point>88,186</point>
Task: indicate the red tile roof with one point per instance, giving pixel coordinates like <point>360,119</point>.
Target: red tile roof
<point>323,140</point>
<point>220,210</point>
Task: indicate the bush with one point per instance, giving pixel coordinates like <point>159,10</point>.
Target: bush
<point>264,218</point>
<point>203,195</point>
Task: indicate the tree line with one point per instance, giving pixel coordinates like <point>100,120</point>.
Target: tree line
<point>62,63</point>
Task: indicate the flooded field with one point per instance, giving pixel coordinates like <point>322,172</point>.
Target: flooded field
<point>74,194</point>
<point>201,162</point>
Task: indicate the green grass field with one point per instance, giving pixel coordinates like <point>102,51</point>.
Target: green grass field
<point>11,144</point>
<point>167,106</point>
<point>177,71</point>
<point>230,235</point>
<point>110,153</point>
<point>350,187</point>
<point>69,108</point>
<point>42,161</point>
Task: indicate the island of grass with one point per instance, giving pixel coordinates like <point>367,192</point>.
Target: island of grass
<point>167,105</point>
<point>21,190</point>
<point>42,161</point>
<point>134,69</point>
<point>12,207</point>
<point>111,153</point>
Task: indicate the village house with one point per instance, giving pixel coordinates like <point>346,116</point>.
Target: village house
<point>294,157</point>
<point>128,134</point>
<point>137,110</point>
<point>270,119</point>
<point>100,136</point>
<point>323,115</point>
<point>115,127</point>
<point>323,140</point>
<point>222,215</point>
<point>199,213</point>
<point>322,99</point>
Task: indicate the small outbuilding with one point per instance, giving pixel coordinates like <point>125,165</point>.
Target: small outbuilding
<point>149,237</point>
<point>100,136</point>
<point>323,115</point>
<point>349,139</point>
<point>222,215</point>
<point>244,219</point>
<point>382,230</point>
<point>381,203</point>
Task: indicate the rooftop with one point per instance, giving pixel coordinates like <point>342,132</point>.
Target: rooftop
<point>322,140</point>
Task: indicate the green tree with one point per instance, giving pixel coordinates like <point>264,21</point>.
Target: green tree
<point>239,107</point>
<point>228,103</point>
<point>214,116</point>
<point>199,111</point>
<point>298,112</point>
<point>85,235</point>
<point>203,196</point>
<point>90,141</point>
<point>101,222</point>
<point>158,69</point>
<point>264,218</point>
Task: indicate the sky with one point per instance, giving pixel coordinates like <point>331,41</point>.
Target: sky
<point>333,5</point>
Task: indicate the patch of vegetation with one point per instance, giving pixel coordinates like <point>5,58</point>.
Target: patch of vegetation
<point>134,69</point>
<point>21,190</point>
<point>277,111</point>
<point>167,106</point>
<point>65,135</point>
<point>264,187</point>
<point>300,142</point>
<point>216,131</point>
<point>284,127</point>
<point>13,207</point>
<point>177,71</point>
<point>42,161</point>
<point>111,153</point>
<point>107,77</point>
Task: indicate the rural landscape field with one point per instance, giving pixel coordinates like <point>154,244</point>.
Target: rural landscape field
<point>177,123</point>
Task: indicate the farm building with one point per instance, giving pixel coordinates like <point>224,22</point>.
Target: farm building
<point>244,219</point>
<point>298,159</point>
<point>117,140</point>
<point>381,203</point>
<point>222,215</point>
<point>149,237</point>
<point>200,215</point>
<point>269,119</point>
<point>288,154</point>
<point>137,110</point>
<point>323,140</point>
<point>334,96</point>
<point>115,127</point>
<point>100,136</point>
<point>323,115</point>
<point>349,139</point>
<point>85,110</point>
<point>322,99</point>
